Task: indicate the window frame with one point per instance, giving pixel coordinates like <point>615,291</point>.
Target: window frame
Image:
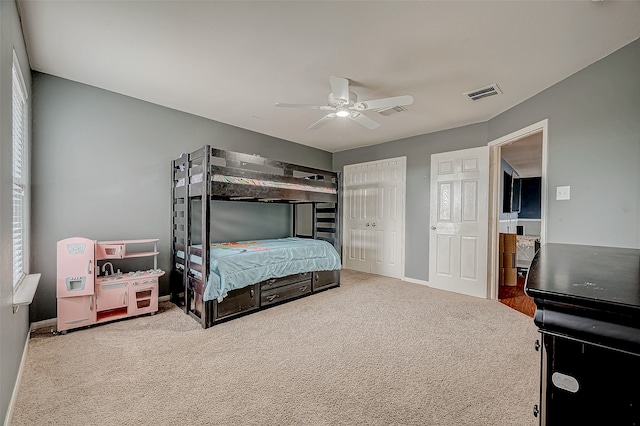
<point>20,176</point>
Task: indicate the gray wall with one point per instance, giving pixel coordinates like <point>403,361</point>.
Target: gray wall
<point>594,146</point>
<point>101,170</point>
<point>13,327</point>
<point>418,151</point>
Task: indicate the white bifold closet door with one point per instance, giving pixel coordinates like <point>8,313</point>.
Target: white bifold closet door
<point>374,200</point>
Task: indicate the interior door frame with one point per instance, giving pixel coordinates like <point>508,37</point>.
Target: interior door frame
<point>402,213</point>
<point>494,192</point>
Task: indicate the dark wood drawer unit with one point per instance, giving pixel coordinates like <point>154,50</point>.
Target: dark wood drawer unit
<point>287,292</point>
<point>238,301</point>
<point>586,384</point>
<point>588,313</point>
<point>279,282</point>
<point>325,279</point>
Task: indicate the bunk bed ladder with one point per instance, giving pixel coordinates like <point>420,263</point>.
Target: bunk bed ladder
<point>207,315</point>
<point>194,191</point>
<point>326,221</point>
<point>179,229</point>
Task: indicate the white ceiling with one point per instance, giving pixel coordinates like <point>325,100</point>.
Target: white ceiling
<point>231,61</point>
<point>524,155</point>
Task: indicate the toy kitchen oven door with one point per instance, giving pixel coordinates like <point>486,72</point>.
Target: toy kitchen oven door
<point>75,283</point>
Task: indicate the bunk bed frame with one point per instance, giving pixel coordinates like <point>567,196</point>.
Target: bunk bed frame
<point>196,177</point>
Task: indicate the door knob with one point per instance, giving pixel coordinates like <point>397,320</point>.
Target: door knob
<point>433,227</point>
<point>367,224</point>
<point>373,225</point>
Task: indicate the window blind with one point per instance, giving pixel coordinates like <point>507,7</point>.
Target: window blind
<point>19,176</point>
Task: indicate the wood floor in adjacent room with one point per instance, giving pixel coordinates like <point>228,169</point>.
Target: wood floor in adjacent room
<point>515,297</point>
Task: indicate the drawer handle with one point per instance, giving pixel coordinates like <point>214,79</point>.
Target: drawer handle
<point>270,298</point>
<point>303,288</point>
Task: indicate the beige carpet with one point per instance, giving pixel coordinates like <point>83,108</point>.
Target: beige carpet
<point>375,351</point>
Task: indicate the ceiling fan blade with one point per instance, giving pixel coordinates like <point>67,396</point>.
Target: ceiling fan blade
<point>364,120</point>
<point>322,121</point>
<point>320,107</point>
<point>339,88</point>
<point>384,102</point>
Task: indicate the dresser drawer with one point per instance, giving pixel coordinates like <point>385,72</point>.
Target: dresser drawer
<point>279,282</point>
<point>280,294</point>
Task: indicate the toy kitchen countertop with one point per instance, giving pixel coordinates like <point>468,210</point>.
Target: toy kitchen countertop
<point>120,276</point>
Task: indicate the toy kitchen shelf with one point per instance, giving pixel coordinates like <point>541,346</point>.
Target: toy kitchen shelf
<point>91,291</point>
<point>118,250</point>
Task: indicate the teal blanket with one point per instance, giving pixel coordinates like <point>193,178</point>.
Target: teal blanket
<point>238,264</point>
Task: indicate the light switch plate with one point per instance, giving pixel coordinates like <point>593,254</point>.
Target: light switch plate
<point>563,193</point>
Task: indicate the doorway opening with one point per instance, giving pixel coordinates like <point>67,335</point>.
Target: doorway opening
<point>517,210</point>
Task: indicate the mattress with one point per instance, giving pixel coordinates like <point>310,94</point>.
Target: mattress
<point>238,264</point>
<point>259,182</point>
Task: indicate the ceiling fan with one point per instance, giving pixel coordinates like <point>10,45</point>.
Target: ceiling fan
<point>344,104</point>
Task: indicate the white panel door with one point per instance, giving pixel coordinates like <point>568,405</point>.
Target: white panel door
<point>374,217</point>
<point>458,239</point>
<point>386,225</point>
<point>359,207</point>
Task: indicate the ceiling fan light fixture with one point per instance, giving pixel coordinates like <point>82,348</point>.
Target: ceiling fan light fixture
<point>344,104</point>
<point>342,112</point>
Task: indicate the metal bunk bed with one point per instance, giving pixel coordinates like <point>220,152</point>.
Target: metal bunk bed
<point>210,174</point>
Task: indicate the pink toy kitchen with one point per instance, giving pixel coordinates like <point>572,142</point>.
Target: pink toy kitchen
<point>91,288</point>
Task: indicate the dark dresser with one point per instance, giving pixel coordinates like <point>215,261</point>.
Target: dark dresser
<point>588,313</point>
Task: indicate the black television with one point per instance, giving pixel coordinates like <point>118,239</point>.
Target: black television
<point>516,195</point>
<point>511,195</point>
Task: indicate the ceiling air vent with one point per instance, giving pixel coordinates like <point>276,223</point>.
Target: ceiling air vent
<point>391,110</point>
<point>484,92</point>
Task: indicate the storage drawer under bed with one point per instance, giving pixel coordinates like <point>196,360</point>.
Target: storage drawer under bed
<point>280,294</point>
<point>238,301</point>
<point>325,279</point>
<point>289,279</point>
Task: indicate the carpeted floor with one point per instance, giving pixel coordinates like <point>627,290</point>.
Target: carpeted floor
<point>376,351</point>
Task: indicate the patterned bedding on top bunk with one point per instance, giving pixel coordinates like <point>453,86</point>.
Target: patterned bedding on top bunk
<point>259,182</point>
<point>238,264</point>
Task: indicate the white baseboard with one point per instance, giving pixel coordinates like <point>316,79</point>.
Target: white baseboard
<point>415,281</point>
<point>166,298</point>
<point>51,322</point>
<point>16,388</point>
